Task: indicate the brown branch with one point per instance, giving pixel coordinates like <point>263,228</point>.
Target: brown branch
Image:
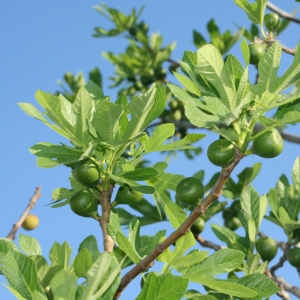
<point>214,194</point>
<point>207,244</point>
<point>288,287</point>
<point>282,13</point>
<point>282,259</point>
<point>105,199</point>
<point>284,49</point>
<point>32,202</point>
<point>282,293</point>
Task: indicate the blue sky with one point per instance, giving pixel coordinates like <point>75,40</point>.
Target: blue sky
<point>40,41</point>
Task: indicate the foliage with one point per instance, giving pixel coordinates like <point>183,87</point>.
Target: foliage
<point>115,136</point>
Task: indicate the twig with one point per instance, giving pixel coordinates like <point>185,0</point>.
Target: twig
<point>285,247</point>
<point>183,229</point>
<point>282,13</point>
<point>32,201</point>
<point>282,260</point>
<point>282,293</point>
<point>284,49</point>
<point>288,287</point>
<point>208,244</point>
<point>105,199</point>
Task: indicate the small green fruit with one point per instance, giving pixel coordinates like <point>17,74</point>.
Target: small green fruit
<point>271,21</point>
<point>267,248</point>
<point>86,172</point>
<point>190,191</point>
<point>198,226</point>
<point>126,195</point>
<point>269,144</point>
<point>293,257</point>
<point>84,204</point>
<point>232,223</point>
<point>221,153</point>
<point>227,213</point>
<point>256,52</point>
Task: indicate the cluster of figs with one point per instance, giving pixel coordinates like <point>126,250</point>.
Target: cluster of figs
<point>85,202</point>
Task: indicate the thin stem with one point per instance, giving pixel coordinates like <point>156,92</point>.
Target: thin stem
<point>105,201</point>
<point>282,293</point>
<point>148,261</point>
<point>208,244</point>
<point>32,202</point>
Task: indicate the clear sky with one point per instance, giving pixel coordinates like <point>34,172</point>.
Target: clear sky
<point>40,41</point>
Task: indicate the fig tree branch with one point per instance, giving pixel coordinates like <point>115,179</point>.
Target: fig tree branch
<point>32,202</point>
<point>105,201</point>
<point>282,293</point>
<point>288,287</point>
<point>282,13</point>
<point>207,244</point>
<point>214,194</point>
<point>282,259</point>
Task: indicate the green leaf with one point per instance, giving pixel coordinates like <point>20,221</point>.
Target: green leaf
<point>145,109</point>
<point>199,113</point>
<point>82,108</point>
<point>255,11</point>
<point>29,245</point>
<point>188,84</point>
<point>149,213</point>
<point>250,204</point>
<point>232,239</point>
<point>38,296</point>
<point>127,247</point>
<point>210,65</point>
<point>229,288</point>
<point>161,133</point>
<point>42,267</point>
<point>90,244</point>
<point>141,174</point>
<point>106,121</point>
<point>5,246</point>
<point>20,271</point>
<point>133,184</point>
<point>222,261</point>
<point>82,263</point>
<point>61,194</point>
<point>60,254</point>
<point>296,175</point>
<point>61,154</point>
<point>64,285</point>
<point>170,287</point>
<point>183,263</point>
<point>181,246</point>
<point>167,181</point>
<point>259,283</point>
<point>94,91</point>
<point>34,113</point>
<point>105,273</point>
<point>195,295</point>
<point>269,84</point>
<point>252,264</point>
<point>58,109</point>
<point>43,162</point>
